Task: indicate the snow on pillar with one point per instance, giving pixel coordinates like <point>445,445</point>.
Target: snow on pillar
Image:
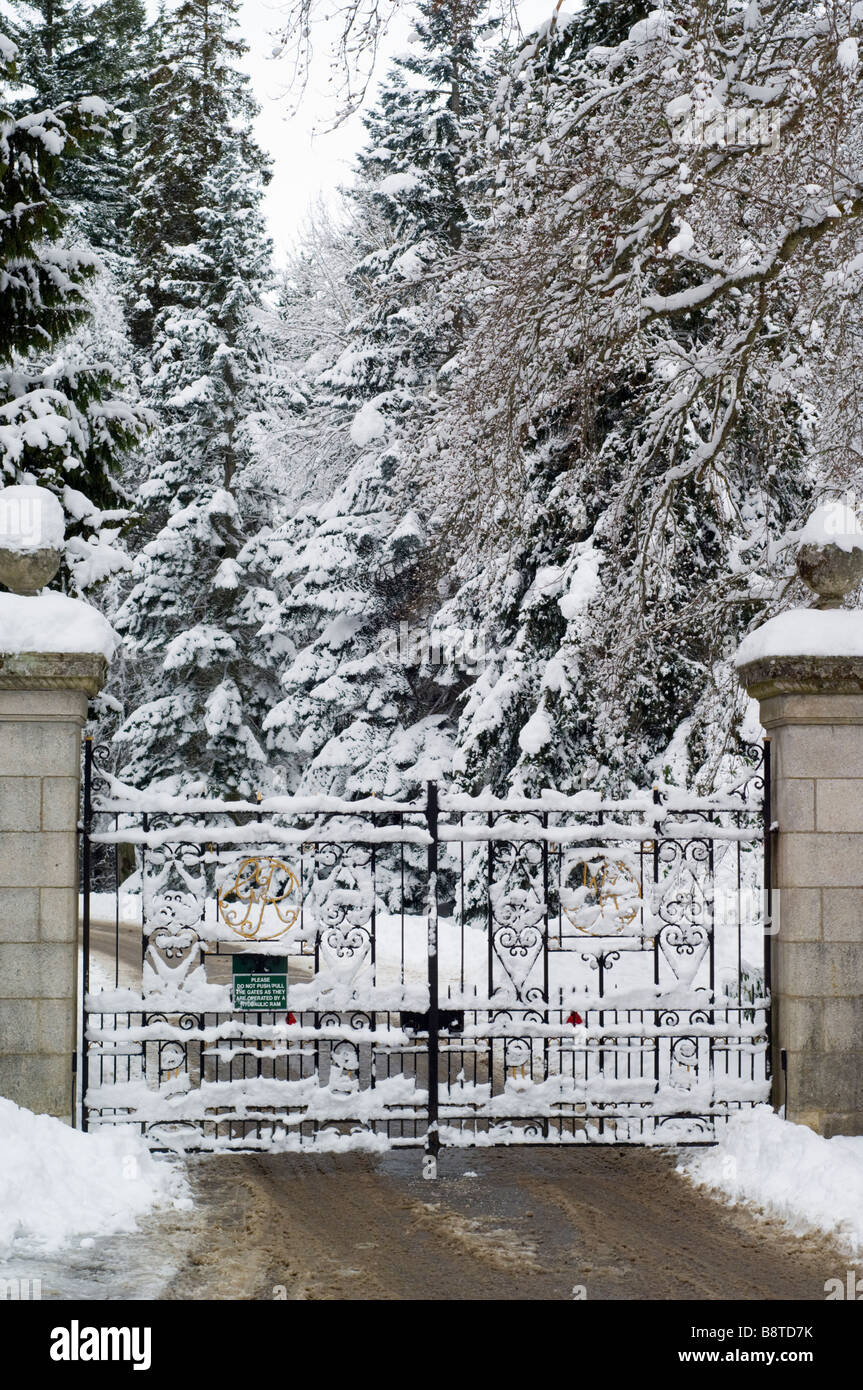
<point>54,654</point>
<point>805,667</point>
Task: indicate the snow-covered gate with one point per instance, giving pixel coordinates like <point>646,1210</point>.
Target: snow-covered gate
<point>459,971</point>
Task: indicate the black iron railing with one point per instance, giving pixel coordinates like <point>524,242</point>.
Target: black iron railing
<point>457,970</point>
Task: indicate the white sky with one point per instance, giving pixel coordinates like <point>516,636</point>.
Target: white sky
<point>310,160</point>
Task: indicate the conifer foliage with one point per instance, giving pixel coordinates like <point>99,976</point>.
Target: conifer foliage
<point>360,712</point>
<point>492,486</point>
<point>639,413</point>
<point>194,620</point>
<point>61,423</point>
<point>67,51</point>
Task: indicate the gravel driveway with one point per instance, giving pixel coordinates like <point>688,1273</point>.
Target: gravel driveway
<point>496,1224</point>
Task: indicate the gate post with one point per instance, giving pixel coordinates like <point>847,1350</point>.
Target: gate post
<point>805,667</point>
<point>52,659</point>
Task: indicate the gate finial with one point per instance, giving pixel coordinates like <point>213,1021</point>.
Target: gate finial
<point>830,553</point>
<point>32,534</point>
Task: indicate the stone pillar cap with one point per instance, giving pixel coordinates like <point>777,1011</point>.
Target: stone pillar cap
<point>85,671</point>
<point>805,650</point>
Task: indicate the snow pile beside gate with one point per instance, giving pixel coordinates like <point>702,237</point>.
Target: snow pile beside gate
<point>787,1171</point>
<point>57,1183</point>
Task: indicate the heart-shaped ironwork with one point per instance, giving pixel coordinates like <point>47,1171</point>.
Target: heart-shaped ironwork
<point>518,947</point>
<point>175,947</point>
<point>684,945</point>
<point>345,950</point>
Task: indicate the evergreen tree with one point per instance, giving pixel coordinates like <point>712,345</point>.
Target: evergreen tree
<point>419,176</point>
<point>315,308</point>
<point>607,22</point>
<point>201,630</point>
<point>361,710</point>
<point>60,423</point>
<point>632,432</point>
<point>72,50</point>
<point>346,724</point>
<point>192,625</point>
<point>199,120</point>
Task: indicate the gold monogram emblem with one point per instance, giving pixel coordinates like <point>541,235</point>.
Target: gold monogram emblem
<point>260,883</point>
<point>611,903</point>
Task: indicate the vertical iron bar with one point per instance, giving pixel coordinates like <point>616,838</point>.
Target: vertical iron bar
<point>117,907</point>
<point>259,819</point>
<point>600,980</point>
<point>657,1041</point>
<point>461,903</point>
<point>738,822</point>
<point>373,1017</point>
<point>432,1134</point>
<point>490,1054</point>
<point>711,1041</point>
<point>767,828</point>
<point>86,825</point>
<point>545,973</point>
<point>145,827</point>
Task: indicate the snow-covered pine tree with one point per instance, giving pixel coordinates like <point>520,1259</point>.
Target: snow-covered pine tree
<point>360,713</point>
<point>69,50</point>
<point>201,631</point>
<point>63,426</point>
<point>346,723</point>
<point>637,419</point>
<point>193,649</point>
<point>317,307</point>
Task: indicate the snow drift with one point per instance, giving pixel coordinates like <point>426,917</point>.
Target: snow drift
<point>57,1183</point>
<point>787,1171</point>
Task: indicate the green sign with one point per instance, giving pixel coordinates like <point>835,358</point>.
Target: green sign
<point>260,984</point>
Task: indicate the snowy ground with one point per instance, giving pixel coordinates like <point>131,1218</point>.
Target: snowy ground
<point>786,1171</point>
<point>626,1223</point>
<point>618,1225</point>
<point>62,1190</point>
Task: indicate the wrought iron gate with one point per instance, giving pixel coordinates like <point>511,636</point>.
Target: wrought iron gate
<point>460,970</point>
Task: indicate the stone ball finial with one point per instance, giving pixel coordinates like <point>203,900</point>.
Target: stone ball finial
<point>830,553</point>
<point>32,535</point>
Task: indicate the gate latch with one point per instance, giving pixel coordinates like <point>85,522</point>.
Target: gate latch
<point>449,1021</point>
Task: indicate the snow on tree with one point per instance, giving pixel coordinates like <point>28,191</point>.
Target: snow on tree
<point>61,425</point>
<point>318,304</point>
<point>194,645</point>
<point>67,51</point>
<point>658,374</point>
<point>201,628</point>
<point>360,713</point>
<point>346,724</point>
